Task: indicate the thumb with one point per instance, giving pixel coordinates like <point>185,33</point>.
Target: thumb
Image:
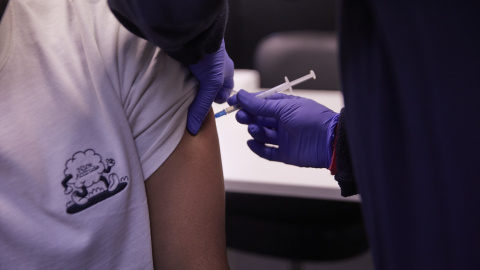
<point>198,110</point>
<point>258,106</point>
<point>225,91</point>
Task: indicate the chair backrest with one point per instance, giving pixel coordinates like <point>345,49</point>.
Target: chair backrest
<point>249,21</point>
<point>294,54</point>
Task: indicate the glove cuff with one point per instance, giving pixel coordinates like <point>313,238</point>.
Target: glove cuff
<point>331,138</point>
<point>333,164</point>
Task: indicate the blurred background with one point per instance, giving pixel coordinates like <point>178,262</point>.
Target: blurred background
<point>281,38</point>
<point>250,21</point>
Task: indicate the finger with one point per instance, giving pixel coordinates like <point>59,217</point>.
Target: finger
<point>257,106</point>
<point>232,100</point>
<point>263,151</point>
<point>243,117</point>
<point>198,110</point>
<point>262,134</point>
<point>279,96</point>
<point>224,93</point>
<point>228,83</point>
<point>269,122</point>
<point>228,64</point>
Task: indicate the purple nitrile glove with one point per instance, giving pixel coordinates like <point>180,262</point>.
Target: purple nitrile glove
<point>214,73</point>
<point>300,130</point>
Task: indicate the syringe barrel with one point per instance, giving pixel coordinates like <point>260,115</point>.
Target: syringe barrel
<point>286,85</point>
<point>271,91</point>
<point>232,108</point>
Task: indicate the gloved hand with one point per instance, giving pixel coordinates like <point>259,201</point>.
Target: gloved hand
<point>214,73</point>
<point>302,129</point>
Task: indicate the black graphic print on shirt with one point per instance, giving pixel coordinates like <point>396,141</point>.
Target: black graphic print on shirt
<point>88,180</point>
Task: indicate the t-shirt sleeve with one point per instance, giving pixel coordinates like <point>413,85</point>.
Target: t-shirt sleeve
<point>155,92</point>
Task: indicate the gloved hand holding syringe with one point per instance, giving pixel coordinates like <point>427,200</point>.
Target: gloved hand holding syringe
<point>277,89</point>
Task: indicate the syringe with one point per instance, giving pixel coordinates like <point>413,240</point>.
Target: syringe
<point>277,89</point>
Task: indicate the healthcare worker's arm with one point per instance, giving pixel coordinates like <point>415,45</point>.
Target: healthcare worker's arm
<point>190,31</point>
<point>297,131</point>
<point>186,200</point>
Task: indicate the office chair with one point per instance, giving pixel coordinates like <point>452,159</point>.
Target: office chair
<point>294,54</point>
<point>251,20</point>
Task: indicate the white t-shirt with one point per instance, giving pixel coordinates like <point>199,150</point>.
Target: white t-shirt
<point>87,113</point>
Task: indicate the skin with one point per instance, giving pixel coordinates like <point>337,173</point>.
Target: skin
<point>186,198</point>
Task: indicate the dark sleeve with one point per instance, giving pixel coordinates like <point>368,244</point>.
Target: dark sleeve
<point>3,6</point>
<point>185,29</point>
<point>344,170</point>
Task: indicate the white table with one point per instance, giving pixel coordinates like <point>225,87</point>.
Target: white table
<point>246,172</point>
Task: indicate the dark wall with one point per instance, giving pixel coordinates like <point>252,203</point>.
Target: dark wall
<point>251,20</point>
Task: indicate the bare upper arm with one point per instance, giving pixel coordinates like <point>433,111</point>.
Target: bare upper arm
<point>186,200</point>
